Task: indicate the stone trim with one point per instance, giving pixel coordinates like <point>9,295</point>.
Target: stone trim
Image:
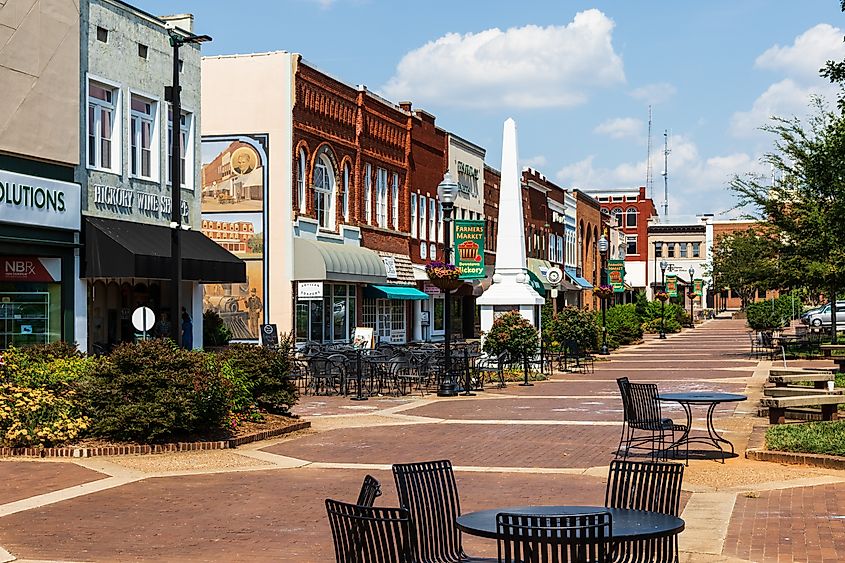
<point>144,449</point>
<point>793,458</point>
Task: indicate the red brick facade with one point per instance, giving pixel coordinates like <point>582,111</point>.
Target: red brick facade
<point>589,230</point>
<point>492,184</point>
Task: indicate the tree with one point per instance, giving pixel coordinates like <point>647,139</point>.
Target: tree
<point>745,262</point>
<point>806,204</point>
<point>835,72</point>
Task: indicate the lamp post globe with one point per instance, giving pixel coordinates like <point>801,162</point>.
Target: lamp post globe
<point>447,192</point>
<point>663,266</point>
<point>691,273</point>
<point>603,246</point>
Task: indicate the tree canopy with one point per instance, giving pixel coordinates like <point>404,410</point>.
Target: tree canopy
<point>746,262</point>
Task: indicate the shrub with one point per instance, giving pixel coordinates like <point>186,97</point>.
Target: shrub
<point>267,371</point>
<point>764,316</point>
<point>153,390</point>
<point>572,325</point>
<point>653,326</point>
<point>511,333</point>
<point>45,365</point>
<point>214,330</point>
<point>38,417</point>
<point>671,311</point>
<point>623,325</point>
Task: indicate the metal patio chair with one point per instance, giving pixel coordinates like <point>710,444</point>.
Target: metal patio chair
<point>366,534</point>
<point>575,538</point>
<point>370,491</point>
<point>641,414</point>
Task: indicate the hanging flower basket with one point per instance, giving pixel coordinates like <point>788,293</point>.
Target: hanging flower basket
<point>661,296</point>
<point>444,276</point>
<point>603,291</point>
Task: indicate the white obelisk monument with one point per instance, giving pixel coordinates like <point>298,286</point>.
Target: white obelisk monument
<point>510,290</point>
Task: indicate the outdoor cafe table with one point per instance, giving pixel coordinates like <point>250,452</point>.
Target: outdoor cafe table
<point>626,524</point>
<point>712,399</point>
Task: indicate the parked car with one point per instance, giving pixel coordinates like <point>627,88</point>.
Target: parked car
<point>805,316</point>
<point>822,317</point>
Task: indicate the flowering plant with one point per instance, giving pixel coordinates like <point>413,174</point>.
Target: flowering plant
<point>661,296</point>
<point>443,271</point>
<point>603,291</point>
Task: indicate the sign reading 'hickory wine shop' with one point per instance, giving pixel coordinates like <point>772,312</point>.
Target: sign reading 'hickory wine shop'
<point>469,249</point>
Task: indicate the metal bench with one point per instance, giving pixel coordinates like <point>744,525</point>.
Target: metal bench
<point>777,406</point>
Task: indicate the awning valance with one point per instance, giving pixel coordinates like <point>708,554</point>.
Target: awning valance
<point>581,282</point>
<point>400,292</point>
<point>317,260</point>
<point>123,249</point>
<point>540,268</point>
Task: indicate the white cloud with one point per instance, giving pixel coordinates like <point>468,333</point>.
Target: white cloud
<point>535,162</point>
<point>808,52</point>
<point>526,67</point>
<point>785,99</point>
<point>654,93</point>
<point>620,127</point>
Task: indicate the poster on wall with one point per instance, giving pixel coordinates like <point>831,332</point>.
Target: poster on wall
<point>469,249</point>
<point>234,188</point>
<point>698,287</point>
<point>672,285</point>
<point>616,275</point>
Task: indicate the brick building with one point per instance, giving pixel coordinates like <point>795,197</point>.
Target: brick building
<point>589,229</point>
<point>726,299</point>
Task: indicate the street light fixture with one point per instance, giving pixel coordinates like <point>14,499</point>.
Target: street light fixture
<point>663,266</point>
<point>691,272</point>
<point>603,246</point>
<point>447,191</point>
<point>173,94</point>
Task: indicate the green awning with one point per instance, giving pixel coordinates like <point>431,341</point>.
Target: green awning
<point>536,284</point>
<point>401,292</point>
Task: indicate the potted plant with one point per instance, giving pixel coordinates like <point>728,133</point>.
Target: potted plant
<point>603,291</point>
<point>444,276</point>
<point>661,296</point>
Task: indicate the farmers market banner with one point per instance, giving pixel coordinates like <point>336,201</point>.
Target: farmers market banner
<point>672,285</point>
<point>698,287</point>
<point>616,275</point>
<point>469,249</point>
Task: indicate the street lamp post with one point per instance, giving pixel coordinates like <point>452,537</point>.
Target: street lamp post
<point>691,272</point>
<point>603,246</point>
<point>447,191</point>
<point>663,266</point>
<point>173,94</point>
<point>657,244</point>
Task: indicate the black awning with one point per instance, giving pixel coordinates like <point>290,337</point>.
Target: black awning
<point>122,249</point>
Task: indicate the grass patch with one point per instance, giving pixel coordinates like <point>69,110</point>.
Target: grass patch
<point>808,437</point>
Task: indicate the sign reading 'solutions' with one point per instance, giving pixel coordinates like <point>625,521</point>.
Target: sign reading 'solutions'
<point>39,202</point>
<point>469,249</point>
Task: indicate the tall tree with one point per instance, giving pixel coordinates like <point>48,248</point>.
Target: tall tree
<point>806,204</point>
<point>746,262</point>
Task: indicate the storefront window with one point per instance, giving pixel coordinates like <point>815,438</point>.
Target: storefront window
<point>331,319</point>
<point>387,318</point>
<point>30,313</point>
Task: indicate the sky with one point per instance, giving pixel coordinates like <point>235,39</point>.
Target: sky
<point>577,77</point>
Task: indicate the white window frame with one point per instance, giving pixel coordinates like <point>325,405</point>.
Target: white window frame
<point>413,215</point>
<point>153,119</point>
<point>423,215</point>
<point>302,166</point>
<point>631,212</point>
<point>381,197</point>
<point>551,250</point>
<point>617,217</point>
<point>394,198</point>
<point>629,239</point>
<point>432,219</point>
<point>439,222</point>
<point>368,194</point>
<point>187,152</point>
<point>345,196</point>
<point>324,195</point>
<point>115,106</point>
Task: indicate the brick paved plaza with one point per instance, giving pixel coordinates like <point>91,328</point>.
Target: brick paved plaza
<point>547,444</point>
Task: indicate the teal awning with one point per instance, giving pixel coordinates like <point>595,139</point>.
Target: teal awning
<point>571,272</point>
<point>402,292</point>
<point>536,283</point>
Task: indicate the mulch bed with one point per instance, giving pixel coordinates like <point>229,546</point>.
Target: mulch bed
<point>247,432</point>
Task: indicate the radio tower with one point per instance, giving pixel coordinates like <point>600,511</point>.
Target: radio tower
<point>649,175</point>
<point>666,152</point>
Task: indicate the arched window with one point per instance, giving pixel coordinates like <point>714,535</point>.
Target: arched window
<point>345,196</point>
<point>324,191</point>
<point>300,181</point>
<point>631,217</point>
<point>616,217</point>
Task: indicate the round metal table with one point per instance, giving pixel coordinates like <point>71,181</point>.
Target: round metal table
<point>626,524</point>
<point>713,399</point>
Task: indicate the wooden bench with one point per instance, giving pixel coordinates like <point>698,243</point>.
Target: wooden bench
<point>827,351</point>
<point>786,376</point>
<point>798,390</point>
<point>778,405</point>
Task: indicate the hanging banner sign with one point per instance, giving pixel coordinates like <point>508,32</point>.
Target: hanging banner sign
<point>672,285</point>
<point>616,275</point>
<point>469,249</point>
<point>698,287</point>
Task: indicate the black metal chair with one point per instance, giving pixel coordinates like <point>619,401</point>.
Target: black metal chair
<point>655,487</point>
<point>429,492</point>
<point>370,491</point>
<point>584,361</point>
<point>366,534</point>
<point>641,413</point>
<point>576,538</point>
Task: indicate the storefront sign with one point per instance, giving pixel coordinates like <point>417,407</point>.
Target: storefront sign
<point>129,201</point>
<point>269,336</point>
<point>672,285</point>
<point>30,269</point>
<point>469,249</point>
<point>431,289</point>
<point>467,179</point>
<point>616,275</point>
<point>309,291</point>
<point>39,202</point>
<point>390,267</point>
<point>698,287</point>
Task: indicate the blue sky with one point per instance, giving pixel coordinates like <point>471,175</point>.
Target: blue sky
<point>578,77</point>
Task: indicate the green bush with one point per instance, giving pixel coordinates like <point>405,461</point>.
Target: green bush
<point>572,325</point>
<point>153,391</point>
<point>51,366</point>
<point>653,326</point>
<point>214,330</point>
<point>765,316</point>
<point>672,311</point>
<point>38,417</point>
<point>267,373</point>
<point>623,325</point>
<point>511,333</point>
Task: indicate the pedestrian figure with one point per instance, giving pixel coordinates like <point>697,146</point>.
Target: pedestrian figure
<point>187,331</point>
